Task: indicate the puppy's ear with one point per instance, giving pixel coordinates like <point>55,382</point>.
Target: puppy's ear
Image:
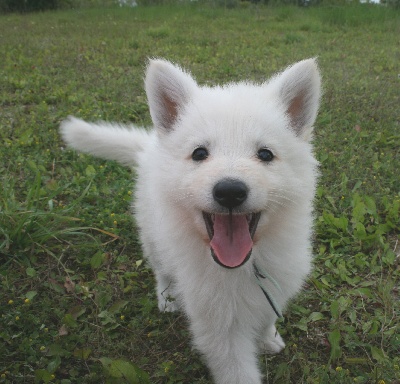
<point>299,88</point>
<point>168,90</point>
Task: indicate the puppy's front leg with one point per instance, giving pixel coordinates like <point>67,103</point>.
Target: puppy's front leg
<point>231,352</point>
<point>165,295</point>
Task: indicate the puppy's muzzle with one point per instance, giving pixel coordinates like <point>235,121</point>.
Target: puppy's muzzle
<point>231,231</point>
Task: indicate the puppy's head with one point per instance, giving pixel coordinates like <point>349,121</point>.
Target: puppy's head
<point>235,159</point>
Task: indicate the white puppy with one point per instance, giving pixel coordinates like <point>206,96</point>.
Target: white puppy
<point>224,193</point>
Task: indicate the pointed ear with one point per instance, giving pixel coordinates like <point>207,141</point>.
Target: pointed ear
<point>168,90</point>
<point>300,92</point>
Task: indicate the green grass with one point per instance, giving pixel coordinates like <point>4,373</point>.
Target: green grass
<point>76,300</point>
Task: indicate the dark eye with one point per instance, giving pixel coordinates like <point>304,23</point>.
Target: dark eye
<point>200,154</point>
<point>264,154</point>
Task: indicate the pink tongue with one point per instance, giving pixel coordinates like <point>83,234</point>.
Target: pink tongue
<point>231,242</point>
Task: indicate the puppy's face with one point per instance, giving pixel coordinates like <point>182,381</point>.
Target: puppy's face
<point>233,163</point>
<point>234,159</point>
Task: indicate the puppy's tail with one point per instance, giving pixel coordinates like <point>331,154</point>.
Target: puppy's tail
<point>105,140</point>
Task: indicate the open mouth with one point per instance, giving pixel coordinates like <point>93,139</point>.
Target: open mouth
<point>231,237</point>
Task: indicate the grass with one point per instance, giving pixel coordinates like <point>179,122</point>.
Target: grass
<point>77,302</point>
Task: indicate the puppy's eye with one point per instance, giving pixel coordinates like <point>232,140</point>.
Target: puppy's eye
<point>264,154</point>
<point>200,154</point>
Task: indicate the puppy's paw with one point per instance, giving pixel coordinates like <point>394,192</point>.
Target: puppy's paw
<point>273,342</point>
<point>274,345</point>
<point>167,305</point>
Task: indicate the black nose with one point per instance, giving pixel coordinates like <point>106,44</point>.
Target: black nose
<point>230,193</point>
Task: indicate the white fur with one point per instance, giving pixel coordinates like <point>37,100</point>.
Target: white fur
<point>229,316</point>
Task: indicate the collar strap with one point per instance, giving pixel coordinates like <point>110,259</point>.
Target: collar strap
<point>260,274</point>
